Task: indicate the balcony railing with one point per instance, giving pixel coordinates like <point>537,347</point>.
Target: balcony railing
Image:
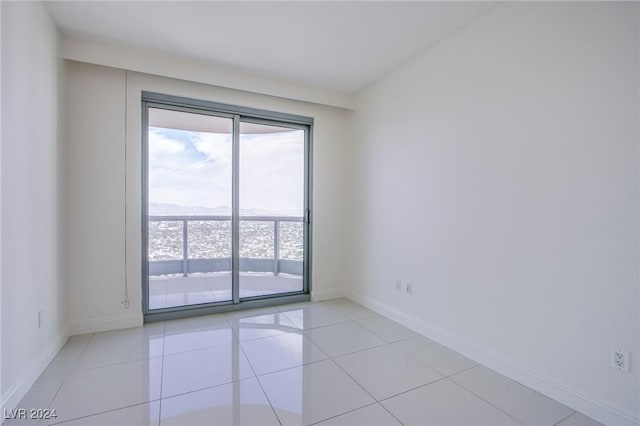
<point>186,265</point>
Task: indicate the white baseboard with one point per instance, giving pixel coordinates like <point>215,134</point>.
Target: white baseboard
<point>331,293</point>
<point>572,398</point>
<point>12,397</point>
<point>107,323</point>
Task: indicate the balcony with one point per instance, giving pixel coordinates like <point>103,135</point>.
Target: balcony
<point>190,258</point>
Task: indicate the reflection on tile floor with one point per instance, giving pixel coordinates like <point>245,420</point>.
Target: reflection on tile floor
<point>195,289</point>
<point>328,363</point>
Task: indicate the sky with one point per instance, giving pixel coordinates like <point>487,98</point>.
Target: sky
<point>194,169</point>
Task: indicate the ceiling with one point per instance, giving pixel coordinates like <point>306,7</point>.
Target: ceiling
<point>335,45</point>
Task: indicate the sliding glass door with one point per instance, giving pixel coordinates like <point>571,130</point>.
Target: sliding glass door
<point>271,209</point>
<point>226,205</point>
<point>189,208</point>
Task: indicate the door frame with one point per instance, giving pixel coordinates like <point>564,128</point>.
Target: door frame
<point>237,114</point>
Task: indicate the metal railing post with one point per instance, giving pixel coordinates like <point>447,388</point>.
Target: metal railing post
<point>276,247</point>
<point>185,248</point>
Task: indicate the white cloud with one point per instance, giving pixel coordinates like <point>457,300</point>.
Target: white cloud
<point>160,146</point>
<point>216,146</point>
<point>196,171</point>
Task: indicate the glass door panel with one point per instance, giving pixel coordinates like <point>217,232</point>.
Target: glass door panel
<point>271,209</point>
<point>189,177</point>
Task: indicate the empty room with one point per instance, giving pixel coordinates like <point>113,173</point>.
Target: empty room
<point>320,213</point>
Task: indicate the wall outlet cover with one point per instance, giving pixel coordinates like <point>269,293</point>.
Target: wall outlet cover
<point>620,360</point>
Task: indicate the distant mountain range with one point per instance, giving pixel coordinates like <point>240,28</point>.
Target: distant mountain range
<point>167,209</point>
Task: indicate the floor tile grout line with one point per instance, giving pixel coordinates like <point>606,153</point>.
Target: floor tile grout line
<point>220,324</point>
<point>423,362</point>
<point>383,338</point>
<point>325,325</point>
<point>206,388</point>
<point>346,412</point>
<point>351,353</point>
<point>450,377</point>
<point>84,349</point>
<point>258,376</point>
<point>363,388</point>
<point>371,331</point>
<point>412,389</point>
<point>291,368</point>
<point>233,331</point>
<point>105,412</point>
<point>388,344</point>
<point>347,373</point>
<point>273,335</point>
<point>213,386</point>
<point>164,335</point>
<point>442,376</point>
<point>318,346</point>
<point>202,389</point>
<point>75,370</point>
<point>299,329</point>
<point>260,384</point>
<point>198,349</point>
<point>302,329</point>
<point>348,353</point>
<point>64,380</point>
<point>565,418</point>
<point>329,359</point>
<point>294,330</point>
<point>109,365</point>
<point>488,402</point>
<point>289,319</point>
<point>390,413</point>
<point>131,361</point>
<point>379,401</point>
<point>68,373</point>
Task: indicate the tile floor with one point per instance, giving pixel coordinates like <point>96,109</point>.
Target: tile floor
<point>328,363</point>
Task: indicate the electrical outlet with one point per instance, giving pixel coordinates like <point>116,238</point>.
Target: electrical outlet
<point>620,360</point>
<point>409,288</point>
<point>399,285</point>
<point>40,319</point>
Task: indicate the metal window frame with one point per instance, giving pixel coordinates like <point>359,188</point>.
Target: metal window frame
<point>239,115</point>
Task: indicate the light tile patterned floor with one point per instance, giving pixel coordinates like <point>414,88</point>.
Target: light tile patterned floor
<point>329,363</point>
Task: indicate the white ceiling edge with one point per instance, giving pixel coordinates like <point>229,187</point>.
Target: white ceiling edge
<point>166,65</point>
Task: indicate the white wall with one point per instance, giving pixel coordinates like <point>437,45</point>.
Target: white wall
<point>190,69</point>
<point>31,193</point>
<point>95,186</point>
<point>99,196</point>
<point>498,172</point>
